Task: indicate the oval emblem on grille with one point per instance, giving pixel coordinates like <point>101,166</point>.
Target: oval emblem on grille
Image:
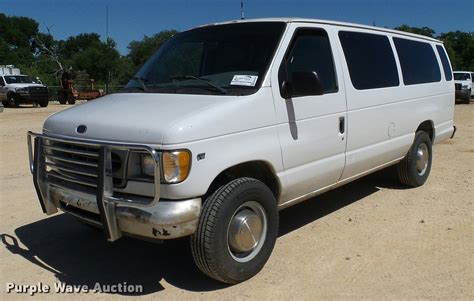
<point>81,129</point>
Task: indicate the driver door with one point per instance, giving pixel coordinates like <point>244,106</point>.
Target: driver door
<point>312,129</point>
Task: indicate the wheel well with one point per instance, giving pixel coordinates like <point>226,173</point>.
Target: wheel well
<point>427,126</point>
<point>258,170</point>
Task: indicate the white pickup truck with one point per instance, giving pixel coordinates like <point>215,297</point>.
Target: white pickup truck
<point>16,88</point>
<point>228,123</point>
<point>463,81</point>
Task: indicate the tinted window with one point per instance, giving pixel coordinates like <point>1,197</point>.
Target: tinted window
<point>448,74</point>
<point>18,79</point>
<point>418,61</point>
<point>472,77</point>
<point>311,51</point>
<point>370,60</point>
<point>461,76</point>
<point>212,54</point>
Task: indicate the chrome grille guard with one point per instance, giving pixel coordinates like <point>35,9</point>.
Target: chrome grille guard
<point>106,201</point>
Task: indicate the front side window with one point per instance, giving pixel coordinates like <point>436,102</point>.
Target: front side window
<point>370,60</point>
<point>461,76</point>
<point>310,51</point>
<point>18,79</point>
<point>418,62</point>
<point>227,59</point>
<point>444,60</point>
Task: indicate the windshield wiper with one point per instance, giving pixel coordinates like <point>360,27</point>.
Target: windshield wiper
<point>202,80</point>
<point>141,81</point>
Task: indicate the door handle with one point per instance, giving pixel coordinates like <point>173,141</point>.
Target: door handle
<point>342,125</point>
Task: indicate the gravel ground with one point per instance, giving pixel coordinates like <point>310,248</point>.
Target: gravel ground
<point>370,239</point>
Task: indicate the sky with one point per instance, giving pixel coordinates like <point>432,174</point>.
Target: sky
<point>132,19</point>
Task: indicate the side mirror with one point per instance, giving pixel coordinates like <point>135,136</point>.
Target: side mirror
<point>302,84</point>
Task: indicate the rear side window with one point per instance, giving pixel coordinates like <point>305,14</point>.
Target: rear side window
<point>472,77</point>
<point>418,61</point>
<point>370,60</point>
<point>448,74</point>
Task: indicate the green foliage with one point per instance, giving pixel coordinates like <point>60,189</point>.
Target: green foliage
<point>141,51</point>
<point>460,47</point>
<point>16,34</point>
<point>425,31</point>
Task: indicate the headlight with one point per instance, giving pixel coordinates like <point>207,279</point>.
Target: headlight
<point>175,165</point>
<point>147,164</point>
<point>22,90</point>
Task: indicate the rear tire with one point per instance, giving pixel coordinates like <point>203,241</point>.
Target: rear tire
<point>237,231</point>
<point>414,169</point>
<point>70,99</point>
<point>43,103</point>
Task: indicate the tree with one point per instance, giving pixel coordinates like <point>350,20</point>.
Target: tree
<point>16,34</point>
<point>460,47</point>
<point>86,52</point>
<point>141,51</point>
<point>425,31</point>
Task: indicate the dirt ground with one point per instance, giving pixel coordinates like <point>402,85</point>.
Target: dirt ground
<point>371,239</point>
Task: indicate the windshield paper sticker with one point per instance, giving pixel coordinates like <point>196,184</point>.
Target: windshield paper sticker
<point>244,80</point>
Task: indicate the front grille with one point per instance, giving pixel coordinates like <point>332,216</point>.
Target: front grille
<point>458,86</point>
<point>39,90</point>
<point>38,93</point>
<point>75,166</point>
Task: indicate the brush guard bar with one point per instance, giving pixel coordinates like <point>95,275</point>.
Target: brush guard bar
<point>106,201</point>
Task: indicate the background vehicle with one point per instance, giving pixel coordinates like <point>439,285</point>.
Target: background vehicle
<point>17,89</point>
<point>463,82</point>
<point>228,123</point>
<point>69,94</point>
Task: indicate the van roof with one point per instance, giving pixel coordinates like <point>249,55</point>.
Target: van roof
<point>329,22</point>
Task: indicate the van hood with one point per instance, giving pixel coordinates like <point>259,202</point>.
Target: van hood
<point>156,119</point>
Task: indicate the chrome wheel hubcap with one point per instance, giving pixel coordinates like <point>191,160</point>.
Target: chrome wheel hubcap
<point>246,232</point>
<point>422,158</point>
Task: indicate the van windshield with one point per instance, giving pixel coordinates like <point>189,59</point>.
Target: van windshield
<point>462,76</point>
<point>19,79</point>
<point>229,59</point>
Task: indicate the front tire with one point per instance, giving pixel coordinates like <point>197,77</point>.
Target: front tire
<point>237,231</point>
<point>11,101</point>
<point>414,169</point>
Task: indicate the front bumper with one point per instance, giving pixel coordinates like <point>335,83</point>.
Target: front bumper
<point>463,94</point>
<point>29,97</point>
<point>159,219</point>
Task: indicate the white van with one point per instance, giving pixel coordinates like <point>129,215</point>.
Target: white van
<point>228,123</point>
